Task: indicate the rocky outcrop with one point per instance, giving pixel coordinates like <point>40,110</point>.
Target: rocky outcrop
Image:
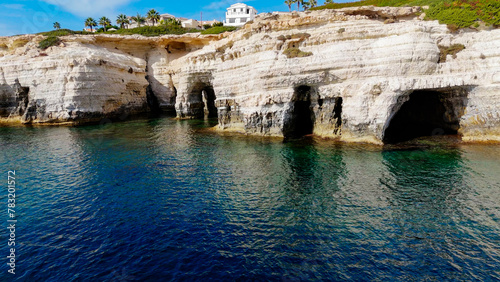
<point>345,74</point>
<point>88,78</point>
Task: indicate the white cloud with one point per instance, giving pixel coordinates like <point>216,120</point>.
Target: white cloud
<point>13,6</point>
<point>86,8</point>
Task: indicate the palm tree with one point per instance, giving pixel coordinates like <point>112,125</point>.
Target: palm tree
<point>298,4</point>
<point>172,21</point>
<point>305,5</point>
<point>139,19</point>
<point>289,4</point>
<point>122,20</point>
<point>313,3</point>
<point>90,22</point>
<point>329,2</point>
<point>104,22</point>
<point>57,26</point>
<point>153,16</point>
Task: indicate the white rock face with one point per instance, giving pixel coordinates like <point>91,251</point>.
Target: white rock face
<point>360,73</point>
<point>84,79</point>
<point>347,76</point>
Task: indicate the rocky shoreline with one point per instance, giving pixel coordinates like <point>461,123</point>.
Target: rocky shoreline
<point>362,74</point>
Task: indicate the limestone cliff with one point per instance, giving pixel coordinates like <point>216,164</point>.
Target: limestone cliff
<point>362,74</point>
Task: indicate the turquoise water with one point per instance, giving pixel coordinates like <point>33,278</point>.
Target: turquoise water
<point>160,200</point>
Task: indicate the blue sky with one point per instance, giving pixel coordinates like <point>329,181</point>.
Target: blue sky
<point>31,16</point>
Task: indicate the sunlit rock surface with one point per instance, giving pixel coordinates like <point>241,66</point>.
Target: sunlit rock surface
<point>343,74</point>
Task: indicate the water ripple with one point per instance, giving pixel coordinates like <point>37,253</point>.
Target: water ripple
<point>155,200</point>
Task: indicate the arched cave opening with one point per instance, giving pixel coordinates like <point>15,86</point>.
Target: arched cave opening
<point>152,100</point>
<point>337,115</point>
<point>209,102</point>
<point>427,113</point>
<point>300,121</point>
<point>202,101</point>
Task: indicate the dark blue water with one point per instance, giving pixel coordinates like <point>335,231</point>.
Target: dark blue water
<point>160,200</point>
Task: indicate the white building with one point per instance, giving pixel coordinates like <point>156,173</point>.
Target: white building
<point>190,23</point>
<point>239,14</point>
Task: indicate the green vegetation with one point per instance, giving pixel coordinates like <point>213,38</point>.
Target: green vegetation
<point>151,30</point>
<point>163,27</point>
<point>452,50</point>
<point>62,32</point>
<point>218,29</point>
<point>48,42</point>
<point>122,20</point>
<point>104,22</point>
<point>139,19</point>
<point>100,30</point>
<point>90,22</point>
<point>296,53</point>
<point>153,16</point>
<point>456,13</point>
<point>171,21</point>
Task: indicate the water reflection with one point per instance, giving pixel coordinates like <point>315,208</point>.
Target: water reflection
<point>428,195</point>
<point>166,199</point>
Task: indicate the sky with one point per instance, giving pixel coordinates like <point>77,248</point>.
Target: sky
<point>32,16</point>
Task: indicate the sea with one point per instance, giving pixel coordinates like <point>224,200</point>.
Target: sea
<point>159,199</point>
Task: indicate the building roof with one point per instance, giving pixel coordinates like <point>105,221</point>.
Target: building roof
<point>167,16</point>
<point>240,5</point>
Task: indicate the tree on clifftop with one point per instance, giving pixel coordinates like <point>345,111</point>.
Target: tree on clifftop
<point>122,20</point>
<point>57,26</point>
<point>306,5</point>
<point>289,3</point>
<point>139,19</point>
<point>104,22</point>
<point>90,22</point>
<point>153,16</point>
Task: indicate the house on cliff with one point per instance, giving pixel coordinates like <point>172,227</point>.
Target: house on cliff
<point>239,14</point>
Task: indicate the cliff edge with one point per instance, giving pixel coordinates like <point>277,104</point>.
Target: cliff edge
<point>364,74</point>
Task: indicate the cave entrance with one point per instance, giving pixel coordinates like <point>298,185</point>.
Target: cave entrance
<point>202,102</point>
<point>300,121</point>
<point>337,115</point>
<point>427,113</point>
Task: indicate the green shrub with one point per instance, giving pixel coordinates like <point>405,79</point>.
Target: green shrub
<point>62,32</point>
<point>296,53</point>
<point>450,15</point>
<point>107,28</point>
<point>449,50</point>
<point>462,13</point>
<point>218,29</point>
<point>490,12</point>
<point>217,24</point>
<point>151,30</point>
<point>48,42</point>
<point>193,30</point>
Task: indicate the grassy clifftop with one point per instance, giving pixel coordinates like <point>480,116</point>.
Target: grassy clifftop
<point>461,13</point>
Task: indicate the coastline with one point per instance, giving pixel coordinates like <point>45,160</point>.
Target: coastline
<point>353,70</point>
